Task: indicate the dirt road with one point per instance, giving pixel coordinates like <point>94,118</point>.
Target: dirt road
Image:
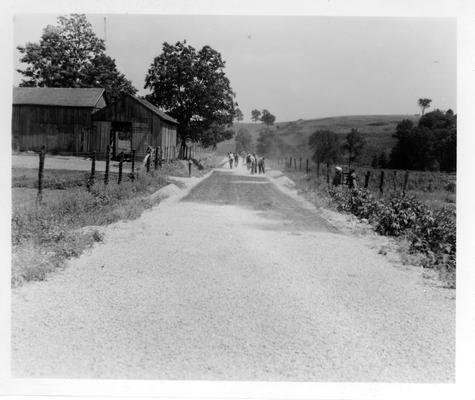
<point>234,281</point>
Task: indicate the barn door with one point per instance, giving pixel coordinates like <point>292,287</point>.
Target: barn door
<point>121,138</point>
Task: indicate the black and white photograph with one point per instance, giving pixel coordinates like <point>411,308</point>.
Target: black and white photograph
<point>246,197</point>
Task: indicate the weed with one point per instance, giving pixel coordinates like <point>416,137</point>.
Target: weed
<point>45,235</point>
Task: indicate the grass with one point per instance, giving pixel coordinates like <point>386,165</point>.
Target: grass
<point>69,218</point>
<point>435,189</point>
<point>378,131</point>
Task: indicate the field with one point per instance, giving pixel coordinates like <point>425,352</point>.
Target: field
<point>377,130</point>
<point>68,219</point>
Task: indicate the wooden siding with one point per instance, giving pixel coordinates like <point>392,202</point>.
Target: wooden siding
<point>148,129</point>
<point>61,129</point>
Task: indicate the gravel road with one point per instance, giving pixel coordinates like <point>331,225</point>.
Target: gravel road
<point>233,281</point>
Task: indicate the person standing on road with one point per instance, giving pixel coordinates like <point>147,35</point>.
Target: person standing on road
<point>248,161</point>
<point>236,159</point>
<point>261,165</point>
<point>254,163</point>
<point>231,158</point>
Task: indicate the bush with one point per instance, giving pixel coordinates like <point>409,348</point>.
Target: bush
<point>430,233</point>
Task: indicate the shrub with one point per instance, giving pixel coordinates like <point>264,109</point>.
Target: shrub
<point>430,233</point>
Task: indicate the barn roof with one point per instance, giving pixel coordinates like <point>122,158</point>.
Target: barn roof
<point>155,109</point>
<point>66,97</point>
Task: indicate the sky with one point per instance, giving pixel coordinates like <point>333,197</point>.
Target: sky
<point>296,67</point>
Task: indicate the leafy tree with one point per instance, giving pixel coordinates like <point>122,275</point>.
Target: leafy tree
<point>243,141</point>
<point>354,144</point>
<point>424,104</point>
<point>432,145</point>
<point>216,133</point>
<point>103,72</point>
<point>267,118</point>
<point>238,115</point>
<point>71,55</point>
<point>325,145</point>
<point>255,115</point>
<point>438,120</point>
<point>192,87</point>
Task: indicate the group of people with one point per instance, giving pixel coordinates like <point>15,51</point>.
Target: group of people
<point>233,160</point>
<point>254,163</point>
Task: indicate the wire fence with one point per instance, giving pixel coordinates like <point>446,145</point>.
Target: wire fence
<point>382,181</point>
<point>130,167</point>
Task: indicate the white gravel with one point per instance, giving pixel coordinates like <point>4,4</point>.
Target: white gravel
<point>198,291</point>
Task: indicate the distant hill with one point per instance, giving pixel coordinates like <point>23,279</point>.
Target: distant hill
<point>377,129</point>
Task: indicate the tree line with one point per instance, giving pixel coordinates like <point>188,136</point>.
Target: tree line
<point>431,145</point>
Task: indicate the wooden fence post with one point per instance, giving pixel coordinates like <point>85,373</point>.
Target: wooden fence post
<point>366,179</point>
<point>147,164</point>
<point>160,156</point>
<point>406,179</point>
<point>394,180</point>
<point>300,164</point>
<point>90,181</point>
<point>39,197</point>
<point>295,164</point>
<point>106,174</point>
<point>132,167</point>
<point>328,174</point>
<point>290,162</point>
<point>156,159</point>
<point>381,182</point>
<point>121,163</point>
<point>306,167</point>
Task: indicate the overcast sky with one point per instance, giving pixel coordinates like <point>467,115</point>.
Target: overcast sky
<point>296,67</point>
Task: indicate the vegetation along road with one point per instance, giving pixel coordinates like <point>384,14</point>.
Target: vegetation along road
<point>233,280</point>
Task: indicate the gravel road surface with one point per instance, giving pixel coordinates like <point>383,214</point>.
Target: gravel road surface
<point>233,281</point>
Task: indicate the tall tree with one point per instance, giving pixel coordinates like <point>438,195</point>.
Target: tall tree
<point>103,72</point>
<point>267,118</point>
<point>238,115</point>
<point>431,145</point>
<point>255,115</point>
<point>71,55</point>
<point>325,145</point>
<point>353,145</point>
<point>216,133</point>
<point>424,104</point>
<point>192,87</point>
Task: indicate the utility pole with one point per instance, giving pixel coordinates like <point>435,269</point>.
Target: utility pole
<point>105,30</point>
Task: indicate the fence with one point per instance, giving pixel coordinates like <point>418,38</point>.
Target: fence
<point>376,180</point>
<point>152,161</point>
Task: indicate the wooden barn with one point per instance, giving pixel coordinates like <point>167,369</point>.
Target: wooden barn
<point>59,118</point>
<point>133,123</point>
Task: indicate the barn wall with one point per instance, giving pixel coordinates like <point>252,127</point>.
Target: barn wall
<point>100,137</point>
<point>61,129</point>
<point>148,129</point>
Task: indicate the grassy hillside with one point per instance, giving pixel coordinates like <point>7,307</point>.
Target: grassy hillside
<point>377,129</point>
